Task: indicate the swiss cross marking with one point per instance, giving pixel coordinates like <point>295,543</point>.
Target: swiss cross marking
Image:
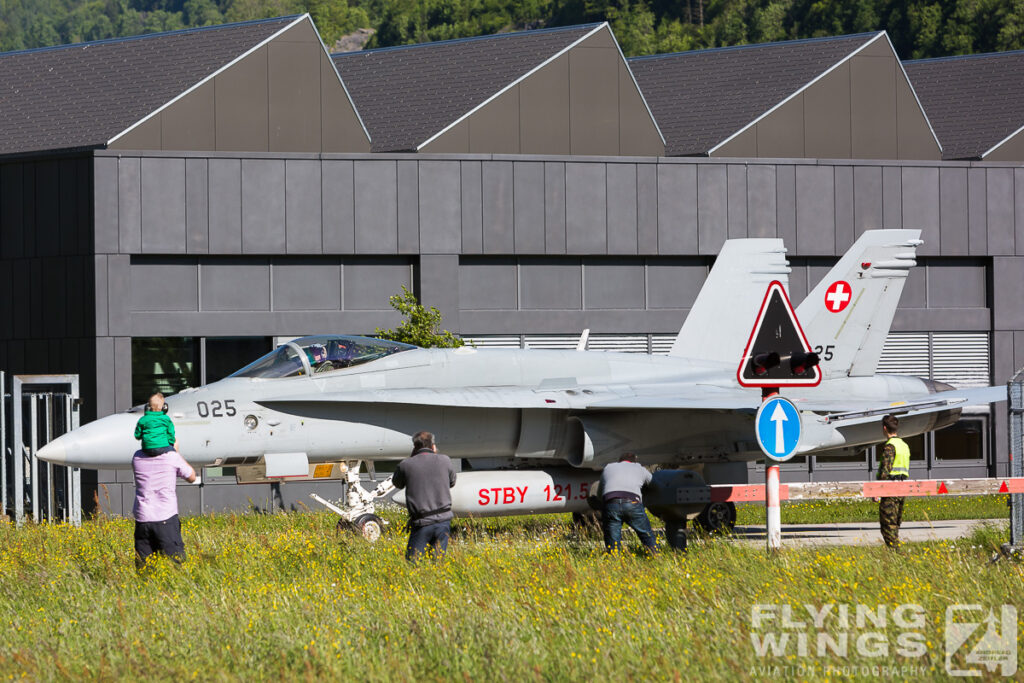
<point>837,296</point>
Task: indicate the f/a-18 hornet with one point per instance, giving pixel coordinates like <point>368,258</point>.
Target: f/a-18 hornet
<point>532,426</point>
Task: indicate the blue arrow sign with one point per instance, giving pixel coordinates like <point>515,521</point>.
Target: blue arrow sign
<point>778,428</point>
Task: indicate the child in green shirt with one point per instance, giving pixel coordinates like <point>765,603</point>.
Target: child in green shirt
<point>155,429</point>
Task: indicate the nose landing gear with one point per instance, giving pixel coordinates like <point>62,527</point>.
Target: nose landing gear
<point>358,511</point>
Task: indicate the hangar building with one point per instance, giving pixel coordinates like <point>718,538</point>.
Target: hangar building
<point>173,204</point>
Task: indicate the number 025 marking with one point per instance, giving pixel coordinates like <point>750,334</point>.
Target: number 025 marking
<point>217,408</point>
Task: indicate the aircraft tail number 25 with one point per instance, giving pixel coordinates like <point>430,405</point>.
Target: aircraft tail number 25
<point>825,352</point>
<point>217,408</point>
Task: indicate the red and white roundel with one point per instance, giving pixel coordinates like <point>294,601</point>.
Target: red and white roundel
<point>837,296</point>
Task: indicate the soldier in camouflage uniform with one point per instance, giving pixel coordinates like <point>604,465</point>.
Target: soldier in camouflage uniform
<point>893,465</point>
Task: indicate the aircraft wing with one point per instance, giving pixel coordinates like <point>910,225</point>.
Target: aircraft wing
<point>690,397</point>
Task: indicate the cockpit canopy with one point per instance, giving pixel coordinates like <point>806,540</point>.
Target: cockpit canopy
<point>320,354</point>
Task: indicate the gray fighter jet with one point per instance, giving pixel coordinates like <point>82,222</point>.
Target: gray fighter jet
<point>533,425</point>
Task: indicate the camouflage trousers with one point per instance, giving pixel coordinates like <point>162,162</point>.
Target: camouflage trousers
<point>890,516</point>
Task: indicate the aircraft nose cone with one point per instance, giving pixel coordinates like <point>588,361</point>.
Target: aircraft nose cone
<point>53,452</point>
<point>106,443</point>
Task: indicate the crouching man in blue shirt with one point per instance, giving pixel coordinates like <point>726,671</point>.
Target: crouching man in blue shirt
<point>621,483</point>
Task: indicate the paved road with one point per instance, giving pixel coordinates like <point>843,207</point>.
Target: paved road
<point>862,533</point>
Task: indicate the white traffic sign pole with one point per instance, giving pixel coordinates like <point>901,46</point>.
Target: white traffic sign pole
<point>773,515</point>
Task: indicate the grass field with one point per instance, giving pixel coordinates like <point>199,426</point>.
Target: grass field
<point>285,596</point>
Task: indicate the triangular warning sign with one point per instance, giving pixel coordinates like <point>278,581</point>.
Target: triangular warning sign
<point>942,488</point>
<point>1004,488</point>
<point>776,331</point>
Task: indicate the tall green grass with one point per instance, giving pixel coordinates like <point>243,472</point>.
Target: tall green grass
<point>286,596</point>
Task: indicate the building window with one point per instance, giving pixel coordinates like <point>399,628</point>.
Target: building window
<point>964,440</point>
<point>164,364</point>
<point>225,355</point>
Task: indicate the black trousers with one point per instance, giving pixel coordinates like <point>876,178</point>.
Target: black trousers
<point>434,535</point>
<point>159,537</point>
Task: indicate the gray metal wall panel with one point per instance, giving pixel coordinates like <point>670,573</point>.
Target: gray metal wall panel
<point>1018,193</point>
<point>164,286</point>
<point>338,206</point>
<point>440,207</point>
<point>309,286</point>
<point>68,213</point>
<point>376,202</point>
<point>369,285</point>
<point>303,221</point>
<point>844,209</point>
<point>439,286</point>
<point>408,208</point>
<point>1000,218</point>
<point>472,207</point>
<point>785,194</point>
<point>528,207</point>
<point>953,215</point>
<point>762,212</point>
<point>954,284</point>
<point>647,208</point>
<point>488,284</point>
<point>46,228</point>
<point>586,209</point>
<point>815,211</point>
<point>738,198</point>
<point>163,209</point>
<point>235,285</point>
<point>261,323</point>
<point>100,288</point>
<point>118,295</point>
<point>12,209</point>
<point>622,209</point>
<point>104,191</point>
<point>944,319</point>
<point>712,208</point>
<point>915,288</point>
<point>551,284</point>
<point>557,321</point>
<point>225,206</point>
<point>619,285</point>
<point>977,212</point>
<point>499,216</point>
<point>129,206</point>
<point>105,399</point>
<point>122,373</point>
<point>197,206</point>
<point>892,197</point>
<point>677,209</point>
<point>673,283</point>
<point>921,206</point>
<point>29,203</point>
<point>263,206</point>
<point>1007,284</point>
<point>554,208</point>
<point>867,199</point>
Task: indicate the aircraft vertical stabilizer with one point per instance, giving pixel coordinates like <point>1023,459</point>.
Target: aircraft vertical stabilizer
<point>720,321</point>
<point>848,315</point>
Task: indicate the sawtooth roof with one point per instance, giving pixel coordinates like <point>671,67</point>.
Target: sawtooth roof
<point>407,94</point>
<point>701,98</point>
<point>83,95</point>
<point>974,102</point>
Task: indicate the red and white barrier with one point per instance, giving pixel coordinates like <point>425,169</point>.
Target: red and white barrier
<point>755,493</point>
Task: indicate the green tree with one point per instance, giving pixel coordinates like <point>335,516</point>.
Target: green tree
<point>421,327</point>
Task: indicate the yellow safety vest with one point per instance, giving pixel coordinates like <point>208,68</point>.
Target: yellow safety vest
<point>901,463</point>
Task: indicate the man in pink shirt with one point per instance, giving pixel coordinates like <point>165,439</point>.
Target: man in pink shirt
<point>157,527</point>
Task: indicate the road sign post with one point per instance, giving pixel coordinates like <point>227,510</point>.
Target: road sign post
<point>777,354</point>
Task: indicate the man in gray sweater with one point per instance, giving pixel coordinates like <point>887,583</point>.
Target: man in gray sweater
<point>427,477</point>
<point>621,485</point>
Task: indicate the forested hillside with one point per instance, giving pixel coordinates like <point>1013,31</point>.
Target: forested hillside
<point>919,28</point>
